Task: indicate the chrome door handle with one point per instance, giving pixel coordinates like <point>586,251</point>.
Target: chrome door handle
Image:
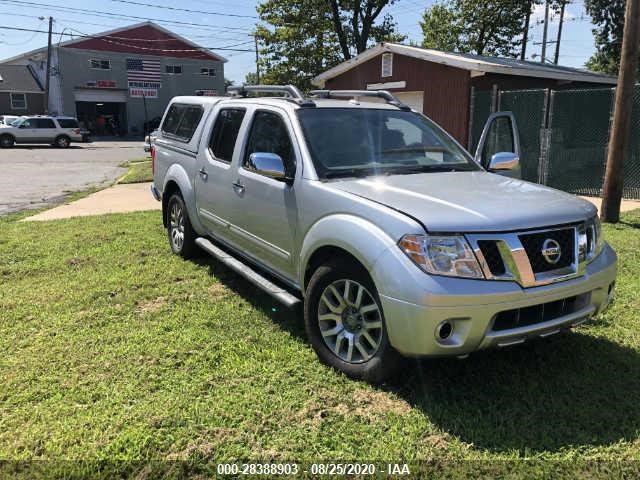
<point>203,173</point>
<point>238,187</point>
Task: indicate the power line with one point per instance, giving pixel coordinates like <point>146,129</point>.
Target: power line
<point>185,9</point>
<point>83,11</point>
<point>212,35</point>
<point>163,50</point>
<point>24,42</point>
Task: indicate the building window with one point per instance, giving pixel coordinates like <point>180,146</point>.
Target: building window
<point>18,101</point>
<point>97,64</point>
<point>211,72</point>
<point>387,65</point>
<point>174,69</point>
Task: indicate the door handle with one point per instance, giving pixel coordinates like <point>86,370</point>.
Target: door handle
<point>203,173</point>
<point>238,187</point>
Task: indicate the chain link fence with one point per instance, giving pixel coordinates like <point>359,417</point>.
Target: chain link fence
<point>528,107</point>
<point>579,123</point>
<point>564,136</point>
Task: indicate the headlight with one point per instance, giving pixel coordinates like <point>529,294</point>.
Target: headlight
<point>590,240</point>
<point>442,255</point>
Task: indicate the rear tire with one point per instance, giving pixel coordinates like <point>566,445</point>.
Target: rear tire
<point>7,141</point>
<point>62,141</point>
<point>182,237</point>
<point>347,330</point>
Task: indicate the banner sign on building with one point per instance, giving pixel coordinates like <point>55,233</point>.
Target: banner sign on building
<point>143,92</point>
<point>206,93</point>
<point>153,85</point>
<point>101,84</point>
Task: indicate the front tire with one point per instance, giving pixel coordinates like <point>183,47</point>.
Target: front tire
<point>345,323</point>
<point>6,141</point>
<point>182,237</point>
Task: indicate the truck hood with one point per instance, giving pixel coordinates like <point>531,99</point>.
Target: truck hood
<point>471,201</point>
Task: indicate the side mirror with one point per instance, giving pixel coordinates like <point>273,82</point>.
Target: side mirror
<point>22,126</point>
<point>270,165</point>
<point>504,161</point>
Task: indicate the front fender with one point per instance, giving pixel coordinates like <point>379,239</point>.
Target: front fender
<point>361,238</point>
<point>177,174</point>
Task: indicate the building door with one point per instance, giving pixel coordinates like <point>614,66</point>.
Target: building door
<point>414,99</point>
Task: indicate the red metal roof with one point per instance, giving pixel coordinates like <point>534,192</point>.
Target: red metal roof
<point>135,41</point>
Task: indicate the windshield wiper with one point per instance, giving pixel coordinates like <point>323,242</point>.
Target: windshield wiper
<point>426,169</point>
<point>351,172</point>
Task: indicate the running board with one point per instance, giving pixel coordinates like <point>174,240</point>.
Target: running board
<point>247,272</point>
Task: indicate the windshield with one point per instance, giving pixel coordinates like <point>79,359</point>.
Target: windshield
<point>360,142</point>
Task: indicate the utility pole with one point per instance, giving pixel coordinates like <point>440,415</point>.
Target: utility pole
<point>543,54</point>
<point>47,80</point>
<point>619,139</point>
<point>255,38</point>
<point>525,32</point>
<point>557,56</point>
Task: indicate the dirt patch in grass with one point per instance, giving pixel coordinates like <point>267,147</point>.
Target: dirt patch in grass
<point>151,306</point>
<point>372,404</point>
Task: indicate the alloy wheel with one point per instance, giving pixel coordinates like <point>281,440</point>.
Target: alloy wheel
<point>350,321</point>
<point>176,226</point>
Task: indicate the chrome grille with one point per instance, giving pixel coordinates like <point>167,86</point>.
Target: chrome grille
<point>517,256</point>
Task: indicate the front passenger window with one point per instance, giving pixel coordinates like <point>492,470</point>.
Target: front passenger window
<point>269,135</point>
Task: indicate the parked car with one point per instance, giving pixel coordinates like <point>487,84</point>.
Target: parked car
<point>149,140</point>
<point>7,119</point>
<point>394,238</point>
<point>58,131</point>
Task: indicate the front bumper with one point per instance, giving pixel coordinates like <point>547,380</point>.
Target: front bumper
<point>415,307</point>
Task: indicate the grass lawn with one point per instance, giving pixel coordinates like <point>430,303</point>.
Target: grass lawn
<point>115,352</point>
<point>139,171</point>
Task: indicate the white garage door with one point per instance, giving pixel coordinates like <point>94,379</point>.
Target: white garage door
<point>414,99</point>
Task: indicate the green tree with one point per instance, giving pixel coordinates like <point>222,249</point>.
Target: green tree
<point>608,20</point>
<point>298,39</point>
<point>482,27</point>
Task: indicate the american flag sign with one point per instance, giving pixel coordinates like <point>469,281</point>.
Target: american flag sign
<point>139,70</point>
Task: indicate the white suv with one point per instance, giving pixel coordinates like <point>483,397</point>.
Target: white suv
<point>58,131</point>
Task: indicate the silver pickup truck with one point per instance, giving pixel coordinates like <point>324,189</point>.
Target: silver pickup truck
<point>396,240</point>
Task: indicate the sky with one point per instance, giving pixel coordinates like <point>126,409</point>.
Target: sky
<point>233,23</point>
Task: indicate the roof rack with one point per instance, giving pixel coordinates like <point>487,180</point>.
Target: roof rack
<point>291,92</point>
<point>384,94</point>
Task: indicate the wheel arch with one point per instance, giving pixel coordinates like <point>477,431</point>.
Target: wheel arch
<point>359,241</point>
<point>177,180</point>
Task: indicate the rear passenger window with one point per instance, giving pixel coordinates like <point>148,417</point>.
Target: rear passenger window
<point>67,123</point>
<point>269,135</point>
<point>42,123</point>
<point>225,133</point>
<point>182,121</point>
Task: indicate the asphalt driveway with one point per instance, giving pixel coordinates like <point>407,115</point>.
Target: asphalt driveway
<point>33,176</point>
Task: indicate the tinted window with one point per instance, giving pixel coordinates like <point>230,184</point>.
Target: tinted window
<point>68,123</point>
<point>189,122</point>
<point>225,133</point>
<point>269,135</point>
<point>172,120</point>
<point>182,121</point>
<point>42,123</point>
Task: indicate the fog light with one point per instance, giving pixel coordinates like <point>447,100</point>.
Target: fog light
<point>444,330</point>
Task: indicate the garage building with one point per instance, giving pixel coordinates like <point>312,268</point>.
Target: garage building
<point>112,81</point>
<point>440,84</point>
